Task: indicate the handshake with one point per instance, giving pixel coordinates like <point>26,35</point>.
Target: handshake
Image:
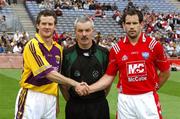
<point>82,89</point>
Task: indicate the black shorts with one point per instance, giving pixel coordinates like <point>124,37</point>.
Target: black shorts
<point>87,110</point>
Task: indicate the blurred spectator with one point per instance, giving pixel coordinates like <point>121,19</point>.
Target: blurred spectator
<point>69,41</point>
<point>99,13</point>
<point>86,5</point>
<point>66,4</point>
<point>9,47</point>
<point>47,4</point>
<point>38,1</point>
<point>56,36</point>
<point>64,43</point>
<point>17,36</point>
<point>145,9</point>
<point>176,19</point>
<point>177,35</point>
<point>75,6</point>
<point>98,37</point>
<point>3,23</point>
<point>2,49</point>
<point>14,2</point>
<point>114,7</point>
<point>3,3</point>
<point>92,6</point>
<point>171,50</point>
<point>9,2</point>
<point>108,7</point>
<point>13,46</point>
<point>2,18</point>
<point>42,5</point>
<point>178,48</point>
<point>103,6</point>
<point>25,36</point>
<point>4,37</point>
<point>17,48</point>
<point>57,4</point>
<point>62,38</point>
<point>117,16</point>
<point>58,11</point>
<point>104,43</point>
<point>130,4</point>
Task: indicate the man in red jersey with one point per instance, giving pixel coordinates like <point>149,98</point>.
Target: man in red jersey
<point>143,68</point>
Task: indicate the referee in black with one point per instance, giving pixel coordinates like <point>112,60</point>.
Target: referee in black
<point>87,62</point>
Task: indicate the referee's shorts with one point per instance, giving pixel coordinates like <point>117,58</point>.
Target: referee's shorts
<point>87,109</point>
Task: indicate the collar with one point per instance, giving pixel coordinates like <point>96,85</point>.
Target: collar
<point>41,40</point>
<point>141,39</point>
<point>86,52</point>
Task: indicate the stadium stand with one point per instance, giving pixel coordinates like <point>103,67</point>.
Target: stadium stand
<point>65,23</point>
<point>106,25</point>
<point>161,12</point>
<point>10,22</point>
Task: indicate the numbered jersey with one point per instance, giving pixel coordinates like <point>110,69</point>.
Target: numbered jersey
<point>137,64</point>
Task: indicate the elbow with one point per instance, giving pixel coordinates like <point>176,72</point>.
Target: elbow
<point>49,75</point>
<point>52,76</point>
<point>168,74</point>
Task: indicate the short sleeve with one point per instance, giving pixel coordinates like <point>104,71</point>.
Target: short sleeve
<point>161,60</point>
<point>112,65</point>
<point>35,60</point>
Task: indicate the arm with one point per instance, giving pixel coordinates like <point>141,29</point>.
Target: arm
<point>104,83</point>
<point>106,80</point>
<point>107,90</point>
<point>162,64</point>
<point>163,77</point>
<point>101,84</point>
<point>56,77</point>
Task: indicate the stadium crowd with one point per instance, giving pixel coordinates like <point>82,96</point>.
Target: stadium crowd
<point>13,43</point>
<point>164,27</point>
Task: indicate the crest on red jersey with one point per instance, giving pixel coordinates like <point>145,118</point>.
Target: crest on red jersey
<point>145,55</point>
<point>125,57</point>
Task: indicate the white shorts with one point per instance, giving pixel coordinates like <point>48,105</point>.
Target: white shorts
<point>143,106</point>
<point>35,105</point>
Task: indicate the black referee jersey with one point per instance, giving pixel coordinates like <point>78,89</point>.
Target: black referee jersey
<point>87,65</point>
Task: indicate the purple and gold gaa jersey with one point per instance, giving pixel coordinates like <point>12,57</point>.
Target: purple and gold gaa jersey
<point>38,60</point>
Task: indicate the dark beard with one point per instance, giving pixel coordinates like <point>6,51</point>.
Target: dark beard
<point>132,37</point>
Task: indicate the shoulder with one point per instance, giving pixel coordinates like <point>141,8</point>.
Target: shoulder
<point>69,50</point>
<point>102,49</point>
<point>152,43</point>
<point>117,47</point>
<point>31,47</point>
<point>33,43</point>
<point>59,47</point>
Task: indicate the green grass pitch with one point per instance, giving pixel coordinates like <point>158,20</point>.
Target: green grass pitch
<point>169,95</point>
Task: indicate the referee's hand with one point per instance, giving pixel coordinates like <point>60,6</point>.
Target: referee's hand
<point>82,89</point>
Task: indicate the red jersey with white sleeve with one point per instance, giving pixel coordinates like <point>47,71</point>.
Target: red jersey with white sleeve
<point>137,64</point>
